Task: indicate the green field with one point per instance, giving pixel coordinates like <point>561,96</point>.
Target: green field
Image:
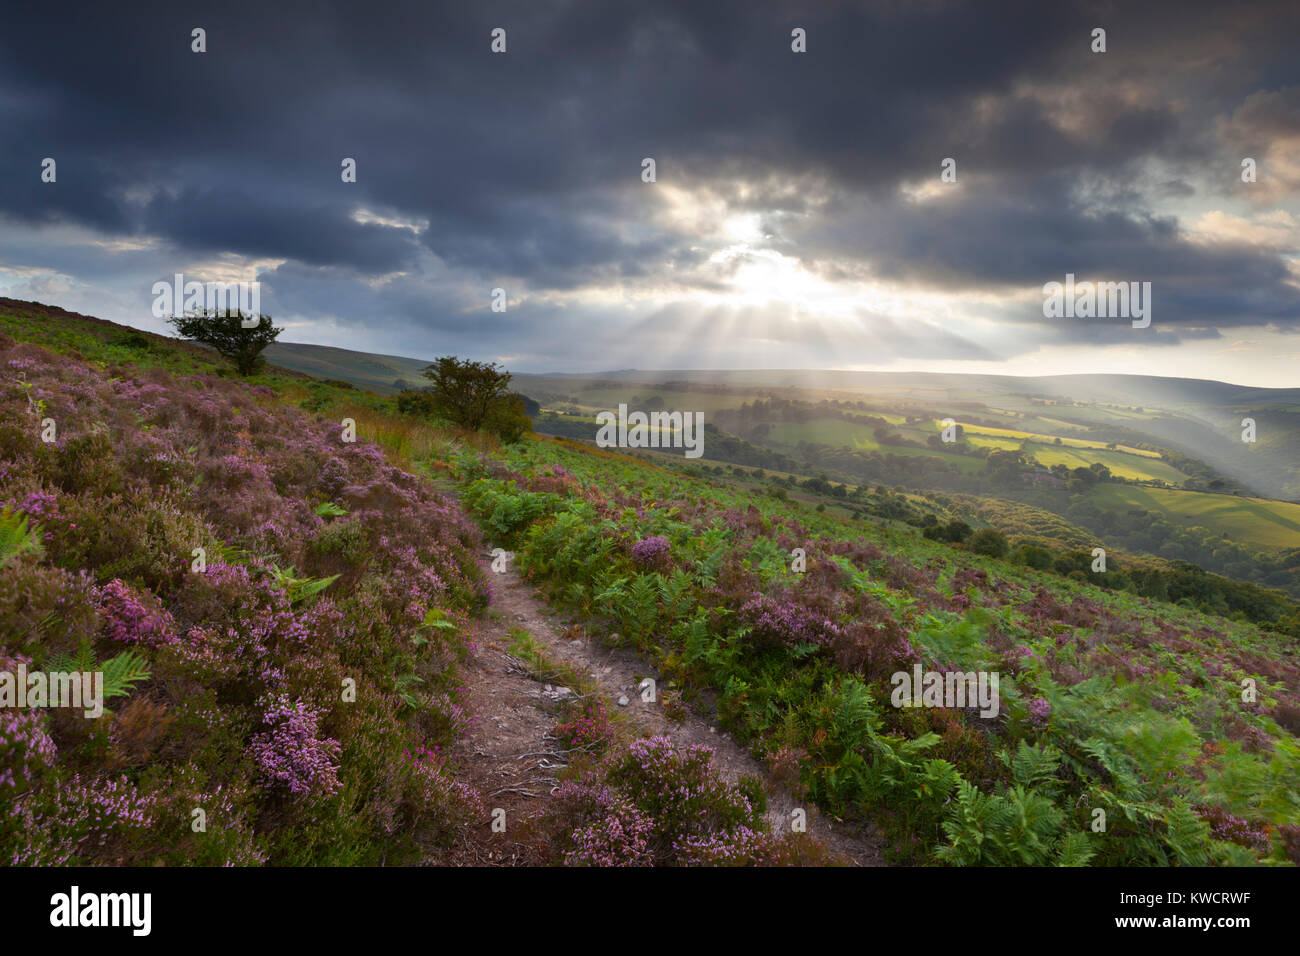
<point>836,431</point>
<point>1073,452</point>
<point>1049,439</point>
<point>1257,521</point>
<point>988,441</point>
<point>824,431</point>
<point>1120,463</point>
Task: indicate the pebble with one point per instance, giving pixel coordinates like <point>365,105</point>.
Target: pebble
<point>622,701</point>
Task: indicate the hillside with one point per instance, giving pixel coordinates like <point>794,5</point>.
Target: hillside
<point>1114,704</point>
<point>1163,433</point>
<point>293,632</point>
<point>1105,469</point>
<point>1124,731</point>
<point>381,374</point>
<point>1196,418</point>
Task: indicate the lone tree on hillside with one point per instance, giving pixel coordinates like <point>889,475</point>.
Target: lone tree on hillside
<point>225,332</point>
<point>473,395</point>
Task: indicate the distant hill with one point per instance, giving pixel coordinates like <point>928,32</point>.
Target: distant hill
<point>377,373</point>
<point>1196,417</point>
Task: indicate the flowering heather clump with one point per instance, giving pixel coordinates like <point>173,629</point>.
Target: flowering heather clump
<point>132,618</point>
<point>784,767</point>
<point>222,594</point>
<point>290,755</point>
<point>1039,711</point>
<point>40,505</point>
<point>618,839</point>
<point>590,729</point>
<point>740,847</point>
<point>749,521</point>
<point>452,712</point>
<point>871,643</point>
<point>430,756</point>
<point>1234,829</point>
<point>240,654</point>
<point>82,822</point>
<point>777,622</point>
<point>25,747</point>
<point>664,804</point>
<point>682,792</point>
<point>442,805</point>
<point>651,553</point>
<point>680,781</point>
<point>228,839</point>
<point>233,842</point>
<point>612,831</point>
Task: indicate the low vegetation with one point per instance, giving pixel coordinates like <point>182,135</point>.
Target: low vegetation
<point>1111,703</point>
<point>282,616</point>
<point>288,605</point>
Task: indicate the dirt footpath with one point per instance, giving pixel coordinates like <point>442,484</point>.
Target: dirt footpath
<point>511,757</point>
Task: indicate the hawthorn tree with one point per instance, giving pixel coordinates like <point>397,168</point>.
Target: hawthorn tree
<point>473,395</point>
<point>225,332</point>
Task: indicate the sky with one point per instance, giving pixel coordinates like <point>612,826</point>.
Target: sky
<point>798,216</point>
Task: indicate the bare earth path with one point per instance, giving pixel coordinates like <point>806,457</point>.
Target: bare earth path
<point>508,755</point>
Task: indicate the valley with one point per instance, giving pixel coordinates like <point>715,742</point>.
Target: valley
<point>1145,715</point>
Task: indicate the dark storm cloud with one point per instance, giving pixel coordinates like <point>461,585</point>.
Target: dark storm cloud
<point>525,167</point>
<point>267,224</point>
<point>1039,234</point>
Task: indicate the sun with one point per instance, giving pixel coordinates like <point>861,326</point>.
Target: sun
<point>757,275</point>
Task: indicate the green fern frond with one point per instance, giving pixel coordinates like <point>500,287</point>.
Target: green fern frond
<point>232,554</point>
<point>1075,849</point>
<point>436,617</point>
<point>405,688</point>
<point>1034,825</point>
<point>304,588</point>
<point>124,671</point>
<point>968,820</point>
<point>1033,767</point>
<point>17,538</point>
<point>613,593</point>
<point>299,589</point>
<point>121,673</point>
<point>1187,834</point>
<point>84,661</point>
<point>856,719</point>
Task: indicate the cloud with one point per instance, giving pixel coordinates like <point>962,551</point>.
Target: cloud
<point>523,170</point>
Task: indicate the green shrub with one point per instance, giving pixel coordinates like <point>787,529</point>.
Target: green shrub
<point>989,541</point>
